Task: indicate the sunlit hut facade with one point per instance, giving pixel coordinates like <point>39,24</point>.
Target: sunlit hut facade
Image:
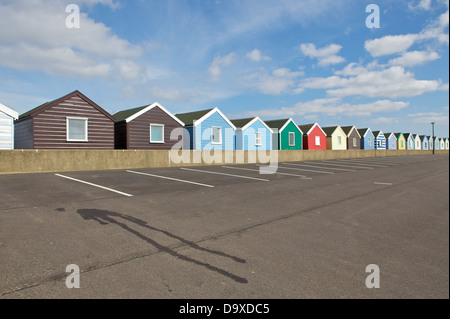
<point>336,138</point>
<point>286,135</point>
<point>401,141</point>
<point>70,122</point>
<point>208,130</point>
<point>353,137</point>
<point>7,117</point>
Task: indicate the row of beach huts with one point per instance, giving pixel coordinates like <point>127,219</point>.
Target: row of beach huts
<point>76,122</point>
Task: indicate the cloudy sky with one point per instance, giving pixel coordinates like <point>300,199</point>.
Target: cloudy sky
<point>314,61</point>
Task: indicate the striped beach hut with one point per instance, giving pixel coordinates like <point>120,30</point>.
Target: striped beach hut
<point>7,117</point>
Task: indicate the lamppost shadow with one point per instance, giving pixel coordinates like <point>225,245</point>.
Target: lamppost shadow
<point>104,217</point>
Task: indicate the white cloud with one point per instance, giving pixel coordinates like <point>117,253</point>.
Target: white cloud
<point>113,4</point>
<point>436,29</point>
<point>56,61</point>
<point>326,56</point>
<point>278,82</point>
<point>34,36</point>
<point>393,82</point>
<point>257,56</point>
<point>351,69</point>
<point>440,118</point>
<point>423,4</point>
<point>413,58</point>
<point>129,70</point>
<point>168,94</point>
<point>332,107</point>
<point>218,63</point>
<point>390,44</point>
<point>384,120</point>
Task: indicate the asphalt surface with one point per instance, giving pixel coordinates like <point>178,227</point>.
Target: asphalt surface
<point>309,231</point>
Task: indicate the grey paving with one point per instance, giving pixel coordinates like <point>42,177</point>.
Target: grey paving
<point>289,237</point>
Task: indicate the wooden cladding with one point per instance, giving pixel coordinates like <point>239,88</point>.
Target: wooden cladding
<point>46,127</point>
<point>136,133</point>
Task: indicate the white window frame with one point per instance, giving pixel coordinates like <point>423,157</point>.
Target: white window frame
<point>85,129</point>
<point>291,134</point>
<point>339,138</point>
<point>355,143</point>
<point>317,140</point>
<point>162,135</point>
<point>258,139</point>
<point>212,135</point>
<point>369,141</point>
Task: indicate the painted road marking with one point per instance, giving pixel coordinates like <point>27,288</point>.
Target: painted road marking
<point>342,165</point>
<point>359,163</point>
<point>334,168</point>
<point>379,183</point>
<point>308,170</point>
<point>95,185</point>
<point>257,170</point>
<point>225,174</point>
<point>371,161</point>
<point>171,179</point>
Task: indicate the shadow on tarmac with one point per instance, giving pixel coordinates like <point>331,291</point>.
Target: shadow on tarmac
<point>104,217</point>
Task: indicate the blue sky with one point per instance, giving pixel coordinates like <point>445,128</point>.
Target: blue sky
<point>314,61</point>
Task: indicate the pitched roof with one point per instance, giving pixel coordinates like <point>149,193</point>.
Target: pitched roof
<point>123,115</point>
<point>278,124</point>
<point>388,135</point>
<point>131,114</point>
<point>191,117</point>
<point>363,131</point>
<point>50,104</point>
<point>195,118</point>
<point>27,114</point>
<point>8,111</point>
<point>245,123</point>
<point>329,130</point>
<point>308,127</point>
<point>347,129</point>
<point>375,133</point>
<point>397,135</point>
<point>239,123</point>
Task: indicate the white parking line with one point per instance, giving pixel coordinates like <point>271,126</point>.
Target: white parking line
<point>333,168</point>
<point>307,170</point>
<point>342,165</point>
<point>379,183</point>
<point>257,170</point>
<point>371,161</point>
<point>95,185</point>
<point>359,163</point>
<point>225,174</point>
<point>171,179</point>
